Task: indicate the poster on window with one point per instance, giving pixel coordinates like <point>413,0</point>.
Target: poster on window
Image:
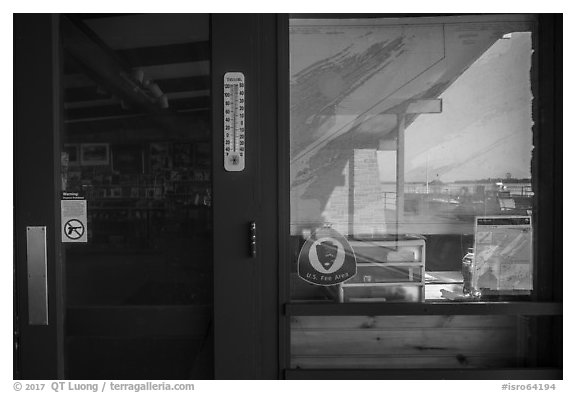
<point>503,253</point>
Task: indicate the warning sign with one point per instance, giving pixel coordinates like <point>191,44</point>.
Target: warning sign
<point>74,218</point>
<point>74,229</point>
<point>326,258</point>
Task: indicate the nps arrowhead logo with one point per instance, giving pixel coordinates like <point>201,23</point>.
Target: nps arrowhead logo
<point>326,258</point>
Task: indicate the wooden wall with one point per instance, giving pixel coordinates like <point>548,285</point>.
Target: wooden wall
<point>431,341</point>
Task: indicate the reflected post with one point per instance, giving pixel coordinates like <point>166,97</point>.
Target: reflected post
<point>414,107</point>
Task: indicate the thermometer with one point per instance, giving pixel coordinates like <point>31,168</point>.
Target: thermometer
<point>234,122</point>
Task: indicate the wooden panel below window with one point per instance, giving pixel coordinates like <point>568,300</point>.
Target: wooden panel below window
<point>431,341</point>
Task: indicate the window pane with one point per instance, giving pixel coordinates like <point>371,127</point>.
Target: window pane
<point>411,148</point>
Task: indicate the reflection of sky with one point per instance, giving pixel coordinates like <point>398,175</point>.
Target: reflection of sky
<point>485,129</point>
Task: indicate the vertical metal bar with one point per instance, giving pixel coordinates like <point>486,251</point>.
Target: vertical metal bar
<point>400,171</point>
<point>351,191</point>
<point>37,280</point>
<point>423,272</point>
<point>283,58</point>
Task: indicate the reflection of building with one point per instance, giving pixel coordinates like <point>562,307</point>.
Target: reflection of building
<point>357,206</point>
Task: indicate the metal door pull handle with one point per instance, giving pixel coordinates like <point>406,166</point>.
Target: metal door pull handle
<point>37,276</point>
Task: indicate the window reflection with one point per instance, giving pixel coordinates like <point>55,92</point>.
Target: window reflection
<point>403,135</point>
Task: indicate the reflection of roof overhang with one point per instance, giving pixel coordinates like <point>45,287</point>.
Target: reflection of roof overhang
<point>429,55</point>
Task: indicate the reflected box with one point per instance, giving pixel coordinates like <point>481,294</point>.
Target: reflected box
<point>387,271</point>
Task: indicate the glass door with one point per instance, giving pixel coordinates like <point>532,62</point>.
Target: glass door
<point>136,167</point>
<point>139,255</point>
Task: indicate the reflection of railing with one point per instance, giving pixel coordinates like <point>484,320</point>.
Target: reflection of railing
<point>522,189</point>
<point>519,189</point>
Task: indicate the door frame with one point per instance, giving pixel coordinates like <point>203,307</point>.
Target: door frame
<point>38,349</point>
<point>246,43</point>
<point>245,288</point>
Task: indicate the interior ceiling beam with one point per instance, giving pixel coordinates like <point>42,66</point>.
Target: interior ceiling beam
<point>166,54</point>
<point>105,111</point>
<point>157,72</point>
<point>102,65</point>
<point>192,83</point>
<point>99,16</point>
<point>172,85</point>
<point>156,55</point>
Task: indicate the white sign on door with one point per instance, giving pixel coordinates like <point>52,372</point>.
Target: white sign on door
<point>74,218</point>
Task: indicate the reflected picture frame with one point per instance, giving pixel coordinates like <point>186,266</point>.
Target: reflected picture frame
<point>94,154</point>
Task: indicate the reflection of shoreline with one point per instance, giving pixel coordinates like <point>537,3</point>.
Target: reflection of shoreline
<point>446,209</point>
<point>450,208</point>
<point>514,187</point>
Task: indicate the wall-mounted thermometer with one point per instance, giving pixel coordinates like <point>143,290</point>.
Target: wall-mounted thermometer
<point>234,121</point>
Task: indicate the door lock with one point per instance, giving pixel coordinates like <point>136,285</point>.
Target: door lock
<point>252,239</point>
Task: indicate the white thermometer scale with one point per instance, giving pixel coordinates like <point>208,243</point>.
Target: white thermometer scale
<point>234,122</point>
